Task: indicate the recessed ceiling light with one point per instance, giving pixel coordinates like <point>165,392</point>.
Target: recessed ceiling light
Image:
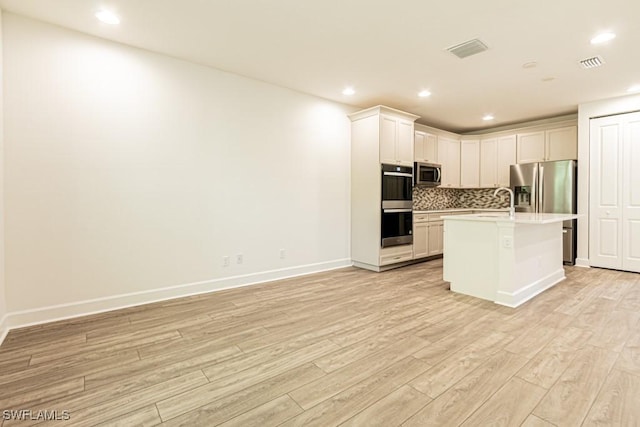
<point>488,117</point>
<point>424,93</point>
<point>548,79</point>
<point>634,88</point>
<point>348,91</point>
<point>108,17</point>
<point>603,37</point>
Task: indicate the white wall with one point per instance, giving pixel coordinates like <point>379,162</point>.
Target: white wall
<point>129,172</point>
<point>586,112</point>
<point>3,306</point>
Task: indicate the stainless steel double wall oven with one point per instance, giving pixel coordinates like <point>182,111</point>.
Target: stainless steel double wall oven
<point>397,204</point>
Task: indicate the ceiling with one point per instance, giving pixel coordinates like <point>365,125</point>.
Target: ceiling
<point>389,50</point>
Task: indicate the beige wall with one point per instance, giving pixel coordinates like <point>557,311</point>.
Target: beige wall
<point>586,112</point>
<point>129,175</point>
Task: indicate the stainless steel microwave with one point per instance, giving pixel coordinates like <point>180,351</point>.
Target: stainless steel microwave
<point>427,174</point>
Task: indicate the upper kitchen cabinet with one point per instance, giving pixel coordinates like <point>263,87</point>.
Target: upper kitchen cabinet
<point>396,140</point>
<point>449,158</point>
<point>470,163</point>
<point>562,143</point>
<point>506,157</point>
<point>497,154</point>
<point>548,145</point>
<point>425,147</point>
<point>530,147</point>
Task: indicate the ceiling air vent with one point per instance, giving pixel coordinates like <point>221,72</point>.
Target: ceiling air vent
<point>594,62</point>
<point>468,48</point>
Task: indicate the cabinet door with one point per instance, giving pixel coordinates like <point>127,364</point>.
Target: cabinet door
<point>470,163</point>
<point>388,135</point>
<point>430,148</point>
<point>506,156</point>
<point>450,160</point>
<point>436,230</point>
<point>404,147</point>
<point>419,139</point>
<point>489,163</point>
<point>420,240</point>
<point>425,147</point>
<point>562,143</point>
<point>530,147</point>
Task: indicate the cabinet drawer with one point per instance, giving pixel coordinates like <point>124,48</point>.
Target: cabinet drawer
<point>438,216</point>
<point>420,217</point>
<point>396,254</point>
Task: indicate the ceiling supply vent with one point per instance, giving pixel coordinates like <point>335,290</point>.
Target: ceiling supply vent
<point>468,48</point>
<point>594,62</point>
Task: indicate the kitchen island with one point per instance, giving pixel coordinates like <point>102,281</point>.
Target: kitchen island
<point>502,259</point>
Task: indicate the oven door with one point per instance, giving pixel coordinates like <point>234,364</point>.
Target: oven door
<point>397,187</point>
<point>396,227</point>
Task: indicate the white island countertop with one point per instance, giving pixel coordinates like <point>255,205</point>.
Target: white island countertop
<point>521,217</point>
<point>454,210</point>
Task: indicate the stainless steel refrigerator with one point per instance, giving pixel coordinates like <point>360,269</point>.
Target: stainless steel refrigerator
<point>548,187</point>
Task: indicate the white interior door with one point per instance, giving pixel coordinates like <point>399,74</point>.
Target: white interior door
<point>614,207</point>
<point>605,213</point>
<point>631,193</point>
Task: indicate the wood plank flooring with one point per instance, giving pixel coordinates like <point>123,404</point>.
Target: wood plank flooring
<point>347,347</point>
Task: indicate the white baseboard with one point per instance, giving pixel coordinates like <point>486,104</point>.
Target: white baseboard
<point>20,319</point>
<point>4,327</point>
<point>583,262</point>
<point>514,299</point>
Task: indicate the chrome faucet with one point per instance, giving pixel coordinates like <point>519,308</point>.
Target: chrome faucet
<point>512,209</point>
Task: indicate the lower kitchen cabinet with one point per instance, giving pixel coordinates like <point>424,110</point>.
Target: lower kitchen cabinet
<point>428,232</point>
<point>436,237</point>
<point>420,236</point>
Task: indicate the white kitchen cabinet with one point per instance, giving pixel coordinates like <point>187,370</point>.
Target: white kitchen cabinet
<point>378,135</point>
<point>436,237</point>
<point>561,144</point>
<point>548,145</point>
<point>470,163</point>
<point>506,156</point>
<point>420,239</point>
<point>530,147</point>
<point>425,147</point>
<point>449,158</point>
<point>396,141</point>
<point>496,157</point>
<point>488,162</point>
<point>614,193</point>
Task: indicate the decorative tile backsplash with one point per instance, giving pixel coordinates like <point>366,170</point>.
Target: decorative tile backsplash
<point>425,198</point>
<point>482,198</point>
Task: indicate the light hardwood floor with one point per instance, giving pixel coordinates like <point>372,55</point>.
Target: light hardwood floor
<point>347,347</point>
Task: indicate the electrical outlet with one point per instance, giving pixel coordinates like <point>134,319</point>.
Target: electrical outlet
<point>239,259</point>
<point>225,261</point>
<point>282,254</point>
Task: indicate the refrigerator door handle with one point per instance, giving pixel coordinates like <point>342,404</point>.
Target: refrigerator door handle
<point>540,181</point>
